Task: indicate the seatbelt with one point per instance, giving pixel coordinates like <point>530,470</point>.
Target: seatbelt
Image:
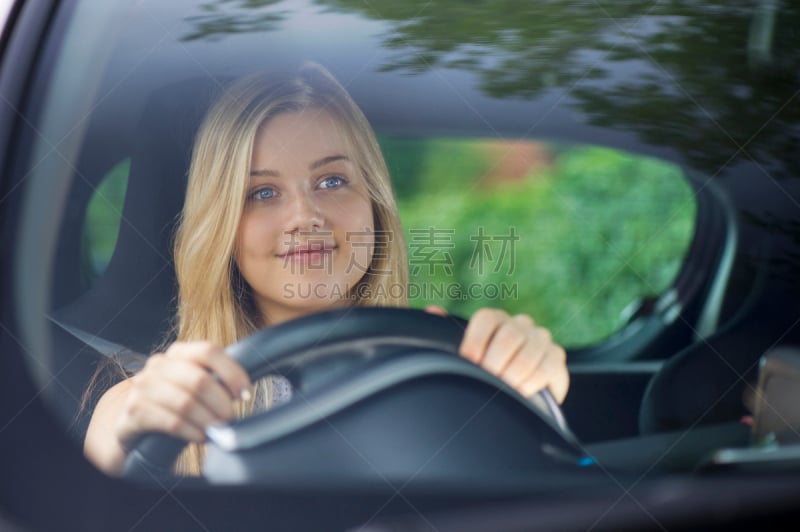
<point>105,347</point>
<point>282,389</point>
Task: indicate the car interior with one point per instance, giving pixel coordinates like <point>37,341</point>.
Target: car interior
<point>137,290</point>
<point>127,311</point>
<point>699,379</point>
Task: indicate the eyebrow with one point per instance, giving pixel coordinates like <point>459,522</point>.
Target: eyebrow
<point>313,166</point>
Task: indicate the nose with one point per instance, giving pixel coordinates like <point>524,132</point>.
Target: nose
<point>306,214</point>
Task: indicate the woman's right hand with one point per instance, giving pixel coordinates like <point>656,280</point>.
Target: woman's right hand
<point>180,392</point>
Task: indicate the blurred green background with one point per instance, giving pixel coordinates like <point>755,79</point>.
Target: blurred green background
<point>574,234</point>
<point>571,235</point>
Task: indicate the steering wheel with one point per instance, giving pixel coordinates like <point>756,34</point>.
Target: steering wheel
<point>340,357</point>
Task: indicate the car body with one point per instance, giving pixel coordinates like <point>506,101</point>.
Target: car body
<point>98,95</point>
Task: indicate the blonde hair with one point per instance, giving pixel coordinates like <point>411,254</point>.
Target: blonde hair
<point>215,303</point>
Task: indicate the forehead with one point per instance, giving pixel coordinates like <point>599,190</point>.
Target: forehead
<point>310,132</point>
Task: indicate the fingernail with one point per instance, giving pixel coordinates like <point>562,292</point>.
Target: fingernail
<point>246,395</point>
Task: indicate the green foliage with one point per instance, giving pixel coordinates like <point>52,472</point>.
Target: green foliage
<point>585,237</point>
<point>103,216</point>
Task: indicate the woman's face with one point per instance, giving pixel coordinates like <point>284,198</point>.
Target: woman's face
<point>306,234</point>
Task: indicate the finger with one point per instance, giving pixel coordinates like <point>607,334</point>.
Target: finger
<point>523,364</point>
<point>559,384</point>
<point>525,320</point>
<point>140,417</point>
<point>504,347</point>
<point>538,341</point>
<point>480,330</point>
<point>189,391</point>
<point>212,357</point>
<point>167,374</point>
<point>436,309</point>
<point>551,373</point>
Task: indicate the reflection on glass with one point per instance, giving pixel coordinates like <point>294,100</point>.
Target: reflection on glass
<point>226,17</point>
<point>704,78</point>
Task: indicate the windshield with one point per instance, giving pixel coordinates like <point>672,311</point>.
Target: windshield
<point>577,163</point>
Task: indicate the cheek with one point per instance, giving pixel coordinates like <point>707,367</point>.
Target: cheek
<point>359,212</point>
<point>254,236</point>
<point>363,240</point>
<point>360,226</point>
<point>243,237</point>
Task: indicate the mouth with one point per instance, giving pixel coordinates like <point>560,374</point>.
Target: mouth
<point>308,253</point>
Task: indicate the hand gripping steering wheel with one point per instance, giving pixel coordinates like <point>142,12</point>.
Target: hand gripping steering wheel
<point>335,359</point>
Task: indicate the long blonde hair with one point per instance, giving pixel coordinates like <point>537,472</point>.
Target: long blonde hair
<point>215,303</point>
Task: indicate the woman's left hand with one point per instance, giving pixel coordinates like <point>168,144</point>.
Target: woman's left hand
<point>515,349</point>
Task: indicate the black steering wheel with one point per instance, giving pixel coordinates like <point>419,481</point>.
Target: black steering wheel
<point>326,355</point>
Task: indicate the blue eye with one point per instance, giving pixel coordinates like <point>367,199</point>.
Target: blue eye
<point>262,194</point>
<point>333,181</point>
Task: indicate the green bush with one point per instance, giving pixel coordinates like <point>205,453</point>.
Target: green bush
<point>585,237</point>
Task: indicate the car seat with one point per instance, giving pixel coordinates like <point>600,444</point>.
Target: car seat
<point>130,306</point>
<point>709,381</point>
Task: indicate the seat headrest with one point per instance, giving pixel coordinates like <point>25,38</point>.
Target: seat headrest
<point>133,302</point>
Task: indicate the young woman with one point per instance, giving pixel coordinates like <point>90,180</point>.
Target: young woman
<point>289,211</point>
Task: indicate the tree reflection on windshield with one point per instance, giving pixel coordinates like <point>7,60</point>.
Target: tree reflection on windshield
<point>716,81</point>
<point>224,17</point>
<point>713,80</point>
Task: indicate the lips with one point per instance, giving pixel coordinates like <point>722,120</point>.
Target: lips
<point>309,255</point>
<point>308,249</point>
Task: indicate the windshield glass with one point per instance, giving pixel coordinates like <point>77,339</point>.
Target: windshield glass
<point>577,164</point>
